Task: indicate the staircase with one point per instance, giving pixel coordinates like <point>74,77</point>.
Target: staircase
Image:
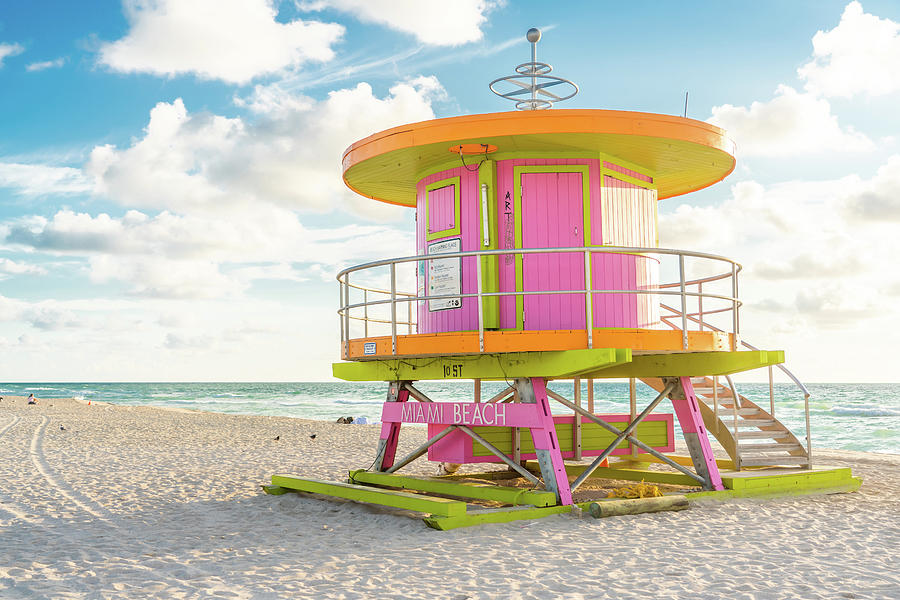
<point>761,439</point>
<point>751,436</point>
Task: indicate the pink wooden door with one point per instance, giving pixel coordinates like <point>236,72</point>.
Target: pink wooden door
<point>553,217</point>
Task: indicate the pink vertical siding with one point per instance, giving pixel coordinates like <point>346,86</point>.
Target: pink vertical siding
<point>441,213</point>
<point>621,214</point>
<point>552,217</point>
<point>507,220</point>
<point>464,318</point>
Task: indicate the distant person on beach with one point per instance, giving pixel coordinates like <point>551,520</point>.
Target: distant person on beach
<point>32,399</point>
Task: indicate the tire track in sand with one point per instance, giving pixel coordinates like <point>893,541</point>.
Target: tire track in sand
<point>6,503</point>
<point>66,490</point>
<point>8,426</point>
<point>104,517</point>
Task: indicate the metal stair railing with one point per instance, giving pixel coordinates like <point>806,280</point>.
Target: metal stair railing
<point>696,318</point>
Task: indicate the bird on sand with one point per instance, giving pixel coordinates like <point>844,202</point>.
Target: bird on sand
<point>277,437</point>
<point>62,427</point>
<point>312,437</point>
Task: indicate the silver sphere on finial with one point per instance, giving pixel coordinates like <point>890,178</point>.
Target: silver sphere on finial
<point>533,35</point>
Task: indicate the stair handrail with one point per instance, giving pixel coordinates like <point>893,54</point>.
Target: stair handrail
<point>784,369</point>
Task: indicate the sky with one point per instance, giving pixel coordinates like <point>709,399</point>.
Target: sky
<point>171,202</point>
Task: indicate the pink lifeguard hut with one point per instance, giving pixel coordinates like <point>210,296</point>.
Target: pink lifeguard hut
<point>537,259</point>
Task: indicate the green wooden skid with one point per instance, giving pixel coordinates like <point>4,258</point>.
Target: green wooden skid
<point>360,493</point>
<point>500,515</point>
<point>478,491</point>
<point>630,474</point>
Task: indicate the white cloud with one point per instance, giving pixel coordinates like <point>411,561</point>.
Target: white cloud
<point>792,122</point>
<point>432,22</point>
<point>7,50</point>
<point>10,267</point>
<point>231,40</point>
<point>859,56</point>
<point>39,180</point>
<point>877,200</point>
<point>806,265</point>
<point>47,64</point>
<point>289,155</point>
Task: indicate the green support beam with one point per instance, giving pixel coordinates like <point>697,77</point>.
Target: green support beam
<point>690,364</point>
<point>478,491</point>
<point>360,493</point>
<point>553,365</point>
<point>501,515</point>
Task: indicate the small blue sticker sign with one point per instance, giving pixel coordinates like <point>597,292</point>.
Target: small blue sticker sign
<point>369,348</point>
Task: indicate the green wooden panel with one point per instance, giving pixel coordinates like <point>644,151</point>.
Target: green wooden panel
<point>499,516</point>
<point>359,493</point>
<point>480,491</point>
<point>594,437</point>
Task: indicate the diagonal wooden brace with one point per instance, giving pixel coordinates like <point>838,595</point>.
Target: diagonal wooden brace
<point>687,410</point>
<point>546,444</point>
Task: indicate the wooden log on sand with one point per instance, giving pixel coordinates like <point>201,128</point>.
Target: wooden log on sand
<point>634,506</point>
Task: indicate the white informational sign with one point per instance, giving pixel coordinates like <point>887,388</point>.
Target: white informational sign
<point>444,275</point>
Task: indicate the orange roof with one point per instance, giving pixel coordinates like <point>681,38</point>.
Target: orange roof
<point>683,155</point>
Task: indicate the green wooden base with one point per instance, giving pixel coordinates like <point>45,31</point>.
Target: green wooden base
<point>477,491</point>
<point>499,515</point>
<point>445,513</point>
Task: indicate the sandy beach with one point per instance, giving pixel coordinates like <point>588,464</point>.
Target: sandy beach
<point>104,501</point>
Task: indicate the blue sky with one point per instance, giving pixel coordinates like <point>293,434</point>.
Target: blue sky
<point>170,198</point>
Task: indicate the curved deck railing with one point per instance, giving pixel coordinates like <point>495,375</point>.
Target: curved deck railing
<point>687,291</point>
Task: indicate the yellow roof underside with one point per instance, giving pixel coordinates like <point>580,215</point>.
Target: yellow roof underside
<point>682,155</point>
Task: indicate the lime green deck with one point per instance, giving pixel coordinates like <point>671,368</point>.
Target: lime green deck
<point>597,363</point>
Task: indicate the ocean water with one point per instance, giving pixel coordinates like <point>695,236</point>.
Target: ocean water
<point>849,416</point>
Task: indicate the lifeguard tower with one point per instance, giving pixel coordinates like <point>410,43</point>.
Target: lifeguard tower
<point>538,259</point>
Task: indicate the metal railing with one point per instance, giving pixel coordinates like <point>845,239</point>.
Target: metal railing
<point>687,291</point>
<point>698,319</point>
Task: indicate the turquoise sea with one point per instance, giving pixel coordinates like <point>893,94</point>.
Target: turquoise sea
<point>847,416</point>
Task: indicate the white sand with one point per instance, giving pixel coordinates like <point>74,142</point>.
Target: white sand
<point>141,502</point>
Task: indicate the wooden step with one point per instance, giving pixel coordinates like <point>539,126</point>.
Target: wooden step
<point>754,435</point>
<point>708,391</point>
<point>362,493</point>
<point>751,448</point>
<point>742,412</point>
<point>755,422</point>
<point>774,460</point>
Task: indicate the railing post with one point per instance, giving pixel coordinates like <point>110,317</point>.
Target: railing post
<point>684,321</point>
<point>808,433</point>
<point>393,308</point>
<point>409,311</point>
<point>347,312</point>
<point>735,321</point>
<point>480,304</point>
<point>700,303</point>
<point>771,391</point>
<point>588,300</point>
<point>366,313</point>
<point>341,310</point>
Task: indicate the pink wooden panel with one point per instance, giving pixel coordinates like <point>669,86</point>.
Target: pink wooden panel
<point>507,221</point>
<point>441,213</point>
<point>464,318</point>
<point>552,217</point>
